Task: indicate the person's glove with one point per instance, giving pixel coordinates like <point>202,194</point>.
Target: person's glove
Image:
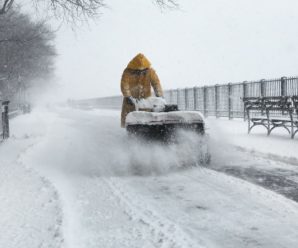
<point>130,100</point>
<point>160,96</point>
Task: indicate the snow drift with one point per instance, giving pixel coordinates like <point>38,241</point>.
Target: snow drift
<point>110,151</point>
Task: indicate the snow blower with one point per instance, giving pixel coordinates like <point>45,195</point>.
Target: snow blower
<point>155,120</point>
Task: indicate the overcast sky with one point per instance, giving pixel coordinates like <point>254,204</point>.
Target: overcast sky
<point>206,42</point>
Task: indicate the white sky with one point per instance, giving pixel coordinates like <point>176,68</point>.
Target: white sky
<point>206,42</point>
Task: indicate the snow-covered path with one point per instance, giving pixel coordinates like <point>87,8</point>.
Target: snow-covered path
<point>30,210</point>
<point>91,167</point>
<point>269,161</point>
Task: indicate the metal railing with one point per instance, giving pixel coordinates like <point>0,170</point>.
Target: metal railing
<point>221,100</point>
<point>4,125</point>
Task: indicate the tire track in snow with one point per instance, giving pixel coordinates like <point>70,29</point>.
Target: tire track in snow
<point>57,228</point>
<point>105,221</point>
<point>166,234</point>
<point>65,219</point>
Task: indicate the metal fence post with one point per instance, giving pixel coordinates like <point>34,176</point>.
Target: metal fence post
<point>244,95</point>
<point>1,116</point>
<point>178,97</point>
<point>186,98</point>
<point>205,101</point>
<point>230,100</point>
<point>283,85</point>
<point>216,100</point>
<point>5,120</point>
<point>171,96</point>
<point>262,87</point>
<point>195,98</point>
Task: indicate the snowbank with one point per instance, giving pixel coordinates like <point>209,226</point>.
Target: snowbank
<point>278,145</point>
<point>30,212</point>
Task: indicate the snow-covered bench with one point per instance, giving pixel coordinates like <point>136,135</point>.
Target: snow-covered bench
<point>272,112</point>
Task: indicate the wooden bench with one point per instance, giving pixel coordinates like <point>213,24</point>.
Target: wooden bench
<point>272,112</point>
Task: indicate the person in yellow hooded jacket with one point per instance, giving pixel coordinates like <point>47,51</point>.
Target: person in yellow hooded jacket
<point>136,82</point>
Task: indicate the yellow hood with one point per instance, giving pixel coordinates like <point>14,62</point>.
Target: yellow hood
<point>139,62</point>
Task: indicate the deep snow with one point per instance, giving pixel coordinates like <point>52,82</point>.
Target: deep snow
<point>278,146</point>
<point>30,210</point>
<point>71,178</point>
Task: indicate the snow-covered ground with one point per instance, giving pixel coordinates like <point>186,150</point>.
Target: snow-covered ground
<point>269,161</point>
<point>70,178</point>
<point>30,210</point>
<point>278,145</point>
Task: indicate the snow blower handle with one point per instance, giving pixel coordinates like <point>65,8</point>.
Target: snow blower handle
<point>132,101</point>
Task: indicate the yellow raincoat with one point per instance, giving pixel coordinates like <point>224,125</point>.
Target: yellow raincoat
<point>137,79</point>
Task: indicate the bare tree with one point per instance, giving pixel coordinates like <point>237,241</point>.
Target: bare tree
<point>167,3</point>
<point>26,52</point>
<point>76,9</point>
<point>26,49</point>
<point>73,10</point>
<point>5,6</point>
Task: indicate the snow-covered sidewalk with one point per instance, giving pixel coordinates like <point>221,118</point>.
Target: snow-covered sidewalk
<point>269,161</point>
<point>278,145</point>
<point>75,171</point>
<point>30,211</point>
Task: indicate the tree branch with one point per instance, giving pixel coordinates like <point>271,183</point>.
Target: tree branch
<point>170,4</point>
<point>6,6</point>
